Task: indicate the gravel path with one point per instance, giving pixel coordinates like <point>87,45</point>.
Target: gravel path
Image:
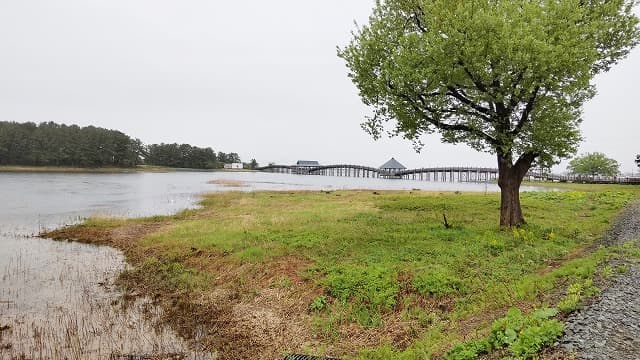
<point>609,328</point>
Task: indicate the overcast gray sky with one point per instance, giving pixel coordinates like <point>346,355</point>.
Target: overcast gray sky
<point>260,78</point>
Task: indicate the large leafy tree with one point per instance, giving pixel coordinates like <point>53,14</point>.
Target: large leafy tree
<point>504,76</point>
<point>594,164</point>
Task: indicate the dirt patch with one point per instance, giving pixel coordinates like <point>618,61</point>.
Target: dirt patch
<point>228,182</point>
<point>118,237</point>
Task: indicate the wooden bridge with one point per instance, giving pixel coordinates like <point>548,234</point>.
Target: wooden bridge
<point>439,174</point>
<point>460,174</point>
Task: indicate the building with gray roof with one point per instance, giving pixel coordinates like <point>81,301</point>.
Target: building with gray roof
<point>307,163</point>
<point>392,166</point>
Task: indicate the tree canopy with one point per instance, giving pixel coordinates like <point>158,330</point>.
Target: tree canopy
<point>594,164</point>
<point>502,76</point>
<point>54,144</point>
<point>181,156</point>
<point>60,145</point>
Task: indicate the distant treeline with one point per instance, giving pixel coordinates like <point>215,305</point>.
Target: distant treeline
<point>187,156</point>
<point>51,144</point>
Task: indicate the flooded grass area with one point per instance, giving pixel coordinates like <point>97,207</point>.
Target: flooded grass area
<point>65,300</point>
<point>58,301</point>
<point>356,274</point>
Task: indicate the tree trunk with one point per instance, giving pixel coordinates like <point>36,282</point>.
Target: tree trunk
<point>510,177</point>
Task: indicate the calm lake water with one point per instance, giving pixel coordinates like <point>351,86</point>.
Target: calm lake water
<point>57,298</point>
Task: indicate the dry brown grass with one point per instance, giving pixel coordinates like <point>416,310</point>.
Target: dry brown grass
<point>235,325</point>
<point>228,182</point>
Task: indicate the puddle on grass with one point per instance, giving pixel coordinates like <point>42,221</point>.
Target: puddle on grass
<point>74,311</point>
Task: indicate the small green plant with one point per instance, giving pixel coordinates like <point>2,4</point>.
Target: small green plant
<point>533,339</point>
<point>366,316</point>
<point>569,304</point>
<point>318,303</point>
<point>283,282</point>
<point>327,325</point>
<point>468,350</point>
<point>622,269</point>
<point>523,335</point>
<point>525,236</point>
<point>607,271</point>
<point>495,246</point>
<point>576,293</point>
<point>418,314</point>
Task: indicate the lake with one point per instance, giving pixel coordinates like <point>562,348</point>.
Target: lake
<point>57,299</point>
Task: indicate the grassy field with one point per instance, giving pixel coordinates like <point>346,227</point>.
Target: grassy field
<point>371,275</point>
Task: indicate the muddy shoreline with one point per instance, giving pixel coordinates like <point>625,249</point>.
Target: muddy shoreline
<point>226,321</point>
<point>74,310</point>
<point>240,314</point>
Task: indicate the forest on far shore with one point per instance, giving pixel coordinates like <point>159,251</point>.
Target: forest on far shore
<point>52,144</point>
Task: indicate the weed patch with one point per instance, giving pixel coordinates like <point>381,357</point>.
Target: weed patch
<point>524,336</point>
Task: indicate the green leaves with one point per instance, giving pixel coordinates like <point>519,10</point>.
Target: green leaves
<point>377,287</point>
<point>594,164</point>
<point>500,76</point>
<point>524,335</point>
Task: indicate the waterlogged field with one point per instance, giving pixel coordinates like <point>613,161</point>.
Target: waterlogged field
<point>73,310</point>
<point>371,275</point>
<point>57,299</point>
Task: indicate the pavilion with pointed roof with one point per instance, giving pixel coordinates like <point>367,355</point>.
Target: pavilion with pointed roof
<point>392,166</point>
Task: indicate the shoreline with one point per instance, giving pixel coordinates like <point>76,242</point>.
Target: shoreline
<point>209,286</point>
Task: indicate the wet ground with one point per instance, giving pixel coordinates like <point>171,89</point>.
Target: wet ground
<point>58,299</point>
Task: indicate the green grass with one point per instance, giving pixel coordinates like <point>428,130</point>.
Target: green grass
<point>381,259</point>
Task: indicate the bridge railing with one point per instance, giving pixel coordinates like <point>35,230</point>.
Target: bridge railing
<point>461,172</point>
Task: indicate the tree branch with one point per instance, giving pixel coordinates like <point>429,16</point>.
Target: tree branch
<point>416,18</point>
<point>524,162</point>
<point>524,118</point>
<point>482,87</point>
<point>436,122</point>
<point>462,98</point>
<point>448,127</point>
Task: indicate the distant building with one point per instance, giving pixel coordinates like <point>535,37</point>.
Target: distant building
<point>306,163</point>
<point>233,166</point>
<point>392,166</point>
